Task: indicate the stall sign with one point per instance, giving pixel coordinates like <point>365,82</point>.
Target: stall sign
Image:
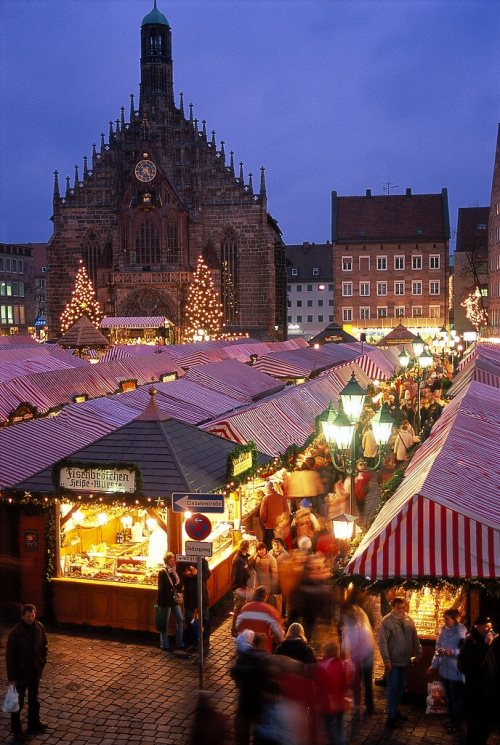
<point>31,540</point>
<point>198,548</point>
<point>241,463</point>
<point>97,479</point>
<point>333,337</point>
<point>168,377</point>
<point>23,413</point>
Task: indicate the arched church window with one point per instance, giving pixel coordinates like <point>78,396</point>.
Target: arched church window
<point>91,254</point>
<point>229,277</point>
<point>172,242</point>
<point>147,243</point>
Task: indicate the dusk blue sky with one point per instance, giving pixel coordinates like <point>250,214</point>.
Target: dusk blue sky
<point>326,94</point>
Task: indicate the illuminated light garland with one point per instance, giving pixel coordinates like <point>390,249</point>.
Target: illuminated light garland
<point>473,309</point>
<point>203,310</point>
<point>83,302</point>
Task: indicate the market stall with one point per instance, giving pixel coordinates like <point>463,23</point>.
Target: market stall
<point>439,534</point>
<point>138,330</point>
<point>114,519</point>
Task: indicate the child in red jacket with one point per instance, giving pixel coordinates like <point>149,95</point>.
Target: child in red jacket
<point>333,681</point>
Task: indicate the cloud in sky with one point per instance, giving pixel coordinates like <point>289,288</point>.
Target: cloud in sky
<point>326,94</point>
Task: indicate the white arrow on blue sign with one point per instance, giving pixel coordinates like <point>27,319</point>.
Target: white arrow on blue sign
<point>197,502</point>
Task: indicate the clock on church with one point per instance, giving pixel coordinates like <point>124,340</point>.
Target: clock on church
<point>145,170</point>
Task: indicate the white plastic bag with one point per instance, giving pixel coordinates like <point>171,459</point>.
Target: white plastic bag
<point>11,702</point>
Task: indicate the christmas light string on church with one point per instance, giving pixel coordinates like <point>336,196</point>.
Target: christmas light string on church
<point>83,302</point>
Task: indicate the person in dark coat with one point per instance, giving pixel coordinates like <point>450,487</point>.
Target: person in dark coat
<point>189,578</point>
<point>477,695</point>
<point>295,645</point>
<point>240,574</point>
<point>26,658</point>
<point>169,583</point>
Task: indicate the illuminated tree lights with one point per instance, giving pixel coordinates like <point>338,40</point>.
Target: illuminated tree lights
<point>474,310</point>
<point>203,310</point>
<point>82,303</point>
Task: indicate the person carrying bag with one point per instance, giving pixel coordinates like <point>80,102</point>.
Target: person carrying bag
<point>169,601</point>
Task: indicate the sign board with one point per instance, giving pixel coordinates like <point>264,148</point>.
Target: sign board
<point>197,502</point>
<point>198,548</point>
<point>333,338</point>
<point>198,527</point>
<point>241,463</point>
<point>97,479</point>
<point>31,540</point>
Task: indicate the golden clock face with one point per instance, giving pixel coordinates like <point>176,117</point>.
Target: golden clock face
<point>145,170</point>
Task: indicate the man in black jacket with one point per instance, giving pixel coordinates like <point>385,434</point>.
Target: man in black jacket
<point>478,694</point>
<point>189,578</point>
<point>26,658</point>
<point>240,574</point>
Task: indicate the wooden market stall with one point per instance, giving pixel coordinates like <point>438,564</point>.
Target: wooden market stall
<point>114,520</point>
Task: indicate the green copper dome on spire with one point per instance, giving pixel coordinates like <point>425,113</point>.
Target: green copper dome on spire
<point>155,17</point>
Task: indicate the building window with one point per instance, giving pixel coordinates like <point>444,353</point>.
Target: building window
<point>399,288</point>
<point>289,303</point>
<point>416,311</point>
<point>41,283</point>
<point>229,275</point>
<point>364,263</point>
<point>299,303</point>
<point>309,288</point>
<point>91,252</point>
<point>434,287</point>
<point>416,262</point>
<point>147,244</point>
<point>346,289</point>
<point>172,243</point>
<point>289,319</point>
<point>44,269</point>
<point>298,288</point>
<point>399,262</point>
<point>364,313</point>
<point>434,311</point>
<point>347,263</point>
<point>299,319</point>
<point>330,303</point>
<point>416,288</point>
<point>309,319</point>
<point>1,264</point>
<point>346,315</point>
<point>320,303</point>
<point>9,289</point>
<point>399,311</point>
<point>330,288</point>
<point>3,289</point>
<point>295,272</point>
<point>381,288</point>
<point>14,266</point>
<point>320,319</point>
<point>434,262</point>
<point>21,267</point>
<point>382,263</point>
<point>315,271</point>
<point>309,303</point>
<point>330,318</point>
<point>14,289</point>
<point>364,289</point>
<point>382,312</point>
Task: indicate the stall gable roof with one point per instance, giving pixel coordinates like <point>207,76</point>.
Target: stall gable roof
<point>172,456</point>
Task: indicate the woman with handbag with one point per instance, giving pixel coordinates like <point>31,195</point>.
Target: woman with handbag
<point>170,598</point>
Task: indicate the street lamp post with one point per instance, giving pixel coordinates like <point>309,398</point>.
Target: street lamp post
<point>339,430</point>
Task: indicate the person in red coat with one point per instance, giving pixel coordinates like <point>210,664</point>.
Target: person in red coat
<point>333,679</point>
<point>273,508</point>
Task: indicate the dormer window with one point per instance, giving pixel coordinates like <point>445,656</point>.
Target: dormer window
<point>315,272</point>
<point>295,272</point>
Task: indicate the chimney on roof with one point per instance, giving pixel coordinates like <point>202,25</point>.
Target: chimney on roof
<point>305,246</point>
<point>408,193</point>
<point>368,193</point>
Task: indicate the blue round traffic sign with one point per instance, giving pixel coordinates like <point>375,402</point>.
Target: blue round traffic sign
<point>198,527</point>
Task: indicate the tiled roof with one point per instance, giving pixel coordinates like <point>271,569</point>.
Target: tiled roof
<point>469,234</point>
<point>307,256</point>
<point>389,219</point>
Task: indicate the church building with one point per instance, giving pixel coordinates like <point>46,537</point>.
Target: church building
<point>158,192</point>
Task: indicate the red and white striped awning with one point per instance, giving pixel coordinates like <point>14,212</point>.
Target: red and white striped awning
<point>300,363</point>
<point>444,520</point>
<point>130,322</point>
<point>234,379</point>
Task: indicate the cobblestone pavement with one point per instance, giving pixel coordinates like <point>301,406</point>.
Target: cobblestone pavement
<point>102,690</point>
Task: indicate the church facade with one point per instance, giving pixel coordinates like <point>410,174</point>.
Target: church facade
<point>157,192</point>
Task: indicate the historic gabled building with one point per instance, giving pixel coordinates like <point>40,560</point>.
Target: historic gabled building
<point>310,288</point>
<point>157,192</point>
<point>390,261</point>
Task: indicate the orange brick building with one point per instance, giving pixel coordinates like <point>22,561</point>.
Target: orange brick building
<point>390,261</point>
<point>156,193</point>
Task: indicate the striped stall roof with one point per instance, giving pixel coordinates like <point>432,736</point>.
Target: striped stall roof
<point>289,416</point>
<point>234,379</point>
<point>130,322</point>
<point>444,520</point>
<point>42,363</point>
<point>300,363</point>
<point>18,340</point>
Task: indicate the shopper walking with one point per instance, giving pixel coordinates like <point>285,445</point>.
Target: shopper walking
<point>240,574</point>
<point>398,641</point>
<point>445,661</point>
<point>478,695</point>
<point>26,658</point>
<point>333,677</point>
<point>169,587</point>
<point>272,509</point>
